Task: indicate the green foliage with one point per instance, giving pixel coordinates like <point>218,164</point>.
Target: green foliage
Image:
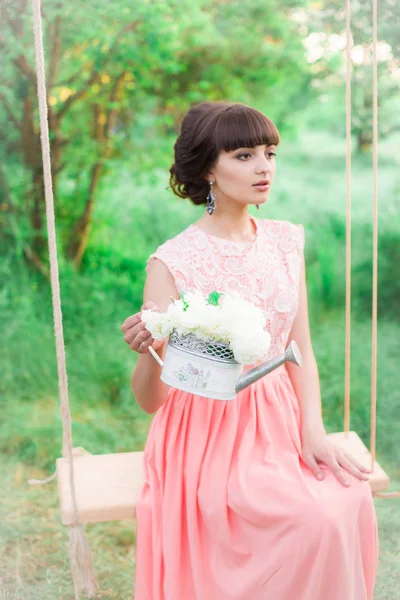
<point>133,216</point>
<point>108,288</point>
<point>118,73</point>
<point>388,281</point>
<point>214,297</point>
<point>185,304</point>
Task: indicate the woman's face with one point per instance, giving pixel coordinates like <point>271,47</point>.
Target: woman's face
<point>236,173</point>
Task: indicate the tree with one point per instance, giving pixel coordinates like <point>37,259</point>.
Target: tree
<point>329,19</point>
<point>109,64</point>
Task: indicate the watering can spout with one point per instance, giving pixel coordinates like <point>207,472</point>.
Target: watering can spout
<point>291,354</point>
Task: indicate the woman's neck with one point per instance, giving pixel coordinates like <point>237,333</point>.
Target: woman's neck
<point>236,229</point>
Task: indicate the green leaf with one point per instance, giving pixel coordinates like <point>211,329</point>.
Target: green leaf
<point>185,304</point>
<point>214,297</point>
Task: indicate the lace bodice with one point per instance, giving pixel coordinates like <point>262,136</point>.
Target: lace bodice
<point>265,272</point>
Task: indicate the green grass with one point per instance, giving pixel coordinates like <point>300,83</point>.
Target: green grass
<point>34,560</point>
<point>133,216</point>
<point>33,551</point>
<point>106,417</point>
<point>33,555</point>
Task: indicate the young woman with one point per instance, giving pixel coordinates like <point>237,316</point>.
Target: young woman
<point>244,499</point>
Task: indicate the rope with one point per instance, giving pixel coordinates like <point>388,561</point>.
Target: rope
<point>348,224</point>
<point>375,238</point>
<point>374,346</point>
<point>81,564</point>
<point>375,235</point>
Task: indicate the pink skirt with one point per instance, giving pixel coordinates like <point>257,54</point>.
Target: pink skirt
<point>229,511</point>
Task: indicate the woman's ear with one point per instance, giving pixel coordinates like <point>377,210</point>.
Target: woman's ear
<point>209,177</point>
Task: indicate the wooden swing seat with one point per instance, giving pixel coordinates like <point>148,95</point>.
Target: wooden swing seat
<point>378,479</point>
<point>107,485</point>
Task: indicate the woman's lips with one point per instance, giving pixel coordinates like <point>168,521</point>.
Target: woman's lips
<point>262,188</point>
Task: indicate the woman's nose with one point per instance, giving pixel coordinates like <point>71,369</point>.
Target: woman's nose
<point>263,165</point>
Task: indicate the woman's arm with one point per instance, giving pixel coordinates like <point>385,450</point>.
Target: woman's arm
<point>305,379</point>
<point>149,391</point>
<point>316,446</point>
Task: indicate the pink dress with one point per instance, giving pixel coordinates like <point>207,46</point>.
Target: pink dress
<point>228,510</point>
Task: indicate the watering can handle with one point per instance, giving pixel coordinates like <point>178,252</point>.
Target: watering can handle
<point>155,355</point>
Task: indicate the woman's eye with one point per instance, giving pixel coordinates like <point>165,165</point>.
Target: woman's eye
<point>269,154</point>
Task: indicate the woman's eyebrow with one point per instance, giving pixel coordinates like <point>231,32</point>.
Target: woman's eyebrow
<point>252,147</point>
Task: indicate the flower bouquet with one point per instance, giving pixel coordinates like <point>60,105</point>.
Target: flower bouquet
<point>219,318</point>
<point>210,339</point>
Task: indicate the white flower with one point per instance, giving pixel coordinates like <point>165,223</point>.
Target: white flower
<point>233,321</point>
<point>238,311</point>
<point>248,348</point>
<point>159,324</point>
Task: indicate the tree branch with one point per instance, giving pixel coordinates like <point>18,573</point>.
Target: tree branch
<point>10,113</point>
<point>16,23</point>
<point>60,168</point>
<point>25,68</point>
<point>74,97</point>
<point>56,50</point>
<point>27,250</point>
<point>19,24</point>
<point>114,97</point>
<point>67,82</point>
<point>96,72</point>
<point>35,260</point>
<point>5,188</point>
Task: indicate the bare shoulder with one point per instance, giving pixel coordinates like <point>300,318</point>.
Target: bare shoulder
<point>159,285</point>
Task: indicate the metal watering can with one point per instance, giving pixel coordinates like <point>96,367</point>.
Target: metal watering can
<point>209,369</point>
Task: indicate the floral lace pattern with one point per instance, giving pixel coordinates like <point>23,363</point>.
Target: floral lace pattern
<point>265,272</point>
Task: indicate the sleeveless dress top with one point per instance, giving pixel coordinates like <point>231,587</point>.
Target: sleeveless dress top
<point>264,272</point>
<point>228,509</point>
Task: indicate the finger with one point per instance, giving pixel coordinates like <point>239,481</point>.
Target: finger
<point>137,317</point>
<point>310,461</point>
<point>359,466</point>
<point>131,321</point>
<point>131,333</point>
<point>141,338</point>
<point>337,470</point>
<point>351,467</point>
<point>144,346</point>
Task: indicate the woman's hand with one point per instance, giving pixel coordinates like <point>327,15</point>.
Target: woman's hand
<point>317,448</point>
<point>135,333</point>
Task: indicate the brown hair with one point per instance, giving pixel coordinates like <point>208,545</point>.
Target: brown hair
<point>206,129</point>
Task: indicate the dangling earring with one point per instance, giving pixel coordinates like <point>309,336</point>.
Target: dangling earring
<point>258,206</point>
<point>211,204</point>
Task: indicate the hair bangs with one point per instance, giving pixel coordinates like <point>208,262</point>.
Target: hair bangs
<point>240,126</point>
